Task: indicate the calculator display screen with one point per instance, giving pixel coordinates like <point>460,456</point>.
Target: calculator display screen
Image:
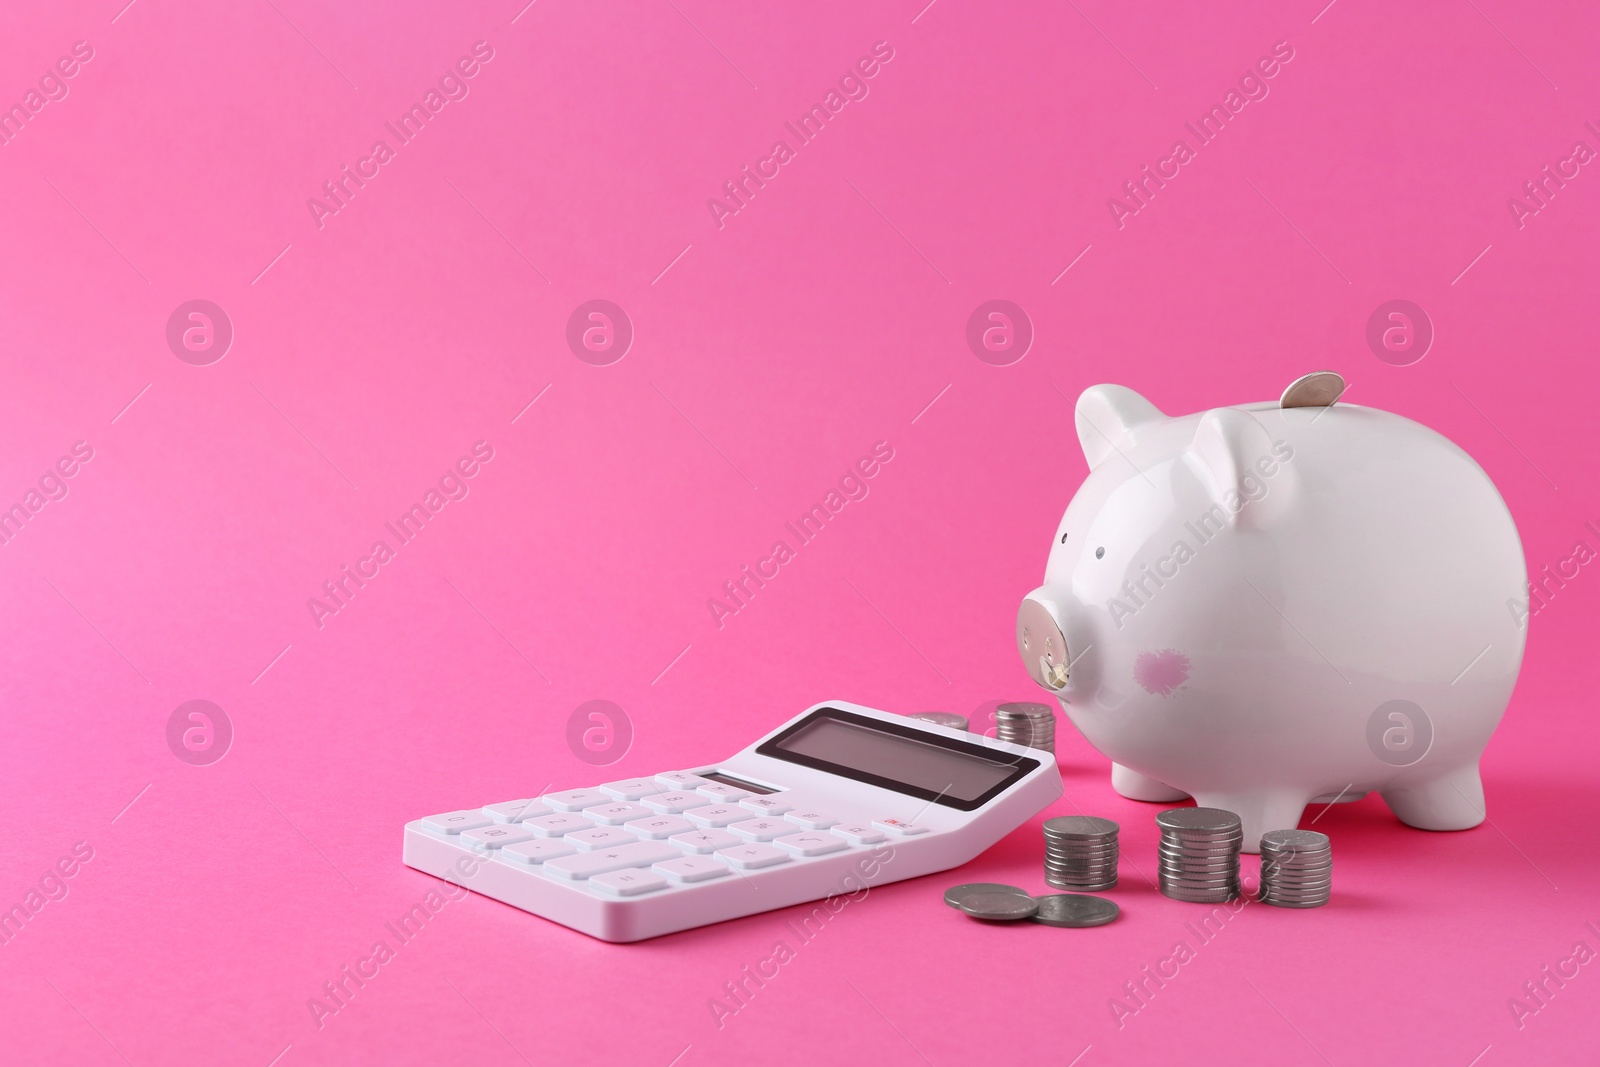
<point>943,770</point>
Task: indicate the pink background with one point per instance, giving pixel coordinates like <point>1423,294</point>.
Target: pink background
<point>769,354</point>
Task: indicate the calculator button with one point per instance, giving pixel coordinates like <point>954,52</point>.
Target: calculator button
<point>859,833</point>
<point>899,826</point>
<point>687,869</point>
<point>810,843</point>
<point>537,850</point>
<point>631,788</point>
<point>717,815</point>
<point>453,822</point>
<point>617,813</point>
<point>660,826</point>
<point>766,805</point>
<point>718,791</point>
<point>754,857</point>
<point>812,820</point>
<point>495,836</point>
<point>705,840</point>
<point>575,799</point>
<point>515,810</point>
<point>581,865</point>
<point>558,824</point>
<point>630,882</point>
<point>600,837</point>
<point>761,829</point>
<point>679,780</point>
<point>673,803</point>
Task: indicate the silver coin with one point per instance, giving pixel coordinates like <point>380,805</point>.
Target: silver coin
<point>1024,710</point>
<point>1213,860</point>
<point>1080,826</point>
<point>1202,837</point>
<point>998,907</point>
<point>1200,872</point>
<point>954,895</point>
<point>1203,898</point>
<point>1218,851</point>
<point>1300,840</point>
<point>1074,910</point>
<point>1213,820</point>
<point>1316,390</point>
<point>1269,868</point>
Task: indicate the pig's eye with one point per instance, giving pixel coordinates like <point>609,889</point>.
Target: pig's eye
<point>1063,538</point>
<point>1100,553</point>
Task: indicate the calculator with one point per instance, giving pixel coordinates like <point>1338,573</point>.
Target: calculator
<point>837,800</point>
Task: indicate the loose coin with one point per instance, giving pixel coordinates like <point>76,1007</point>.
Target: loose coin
<point>955,893</point>
<point>999,907</point>
<point>1075,910</point>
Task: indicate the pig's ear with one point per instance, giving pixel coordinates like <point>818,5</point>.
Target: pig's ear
<point>1244,470</point>
<point>1107,416</point>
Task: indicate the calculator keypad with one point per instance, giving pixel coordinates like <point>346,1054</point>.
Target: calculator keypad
<point>581,865</point>
<point>858,833</point>
<point>575,799</point>
<point>716,815</point>
<point>515,810</point>
<point>706,840</point>
<point>680,780</point>
<point>674,802</point>
<point>629,883</point>
<point>631,788</point>
<point>537,850</point>
<point>811,819</point>
<point>718,791</point>
<point>558,824</point>
<point>761,829</point>
<point>754,856</point>
<point>454,822</point>
<point>495,836</point>
<point>686,870</point>
<point>660,826</point>
<point>638,836</point>
<point>811,843</point>
<point>617,813</point>
<point>602,837</point>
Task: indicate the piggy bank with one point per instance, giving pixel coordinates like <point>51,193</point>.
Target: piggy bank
<point>1281,603</point>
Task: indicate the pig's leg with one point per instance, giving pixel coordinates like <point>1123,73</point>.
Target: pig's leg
<point>1453,801</point>
<point>1259,812</point>
<point>1135,786</point>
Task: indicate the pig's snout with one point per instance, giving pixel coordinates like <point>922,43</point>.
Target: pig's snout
<point>1042,644</point>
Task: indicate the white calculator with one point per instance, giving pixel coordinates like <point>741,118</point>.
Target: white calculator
<point>838,799</point>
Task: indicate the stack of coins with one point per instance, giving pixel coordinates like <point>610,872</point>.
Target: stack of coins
<point>1199,854</point>
<point>942,718</point>
<point>1080,853</point>
<point>1033,725</point>
<point>1296,868</point>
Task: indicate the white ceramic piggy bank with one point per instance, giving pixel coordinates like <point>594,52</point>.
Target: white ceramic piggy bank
<point>1268,605</point>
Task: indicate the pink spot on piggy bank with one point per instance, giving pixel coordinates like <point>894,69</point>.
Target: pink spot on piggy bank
<point>1161,672</point>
